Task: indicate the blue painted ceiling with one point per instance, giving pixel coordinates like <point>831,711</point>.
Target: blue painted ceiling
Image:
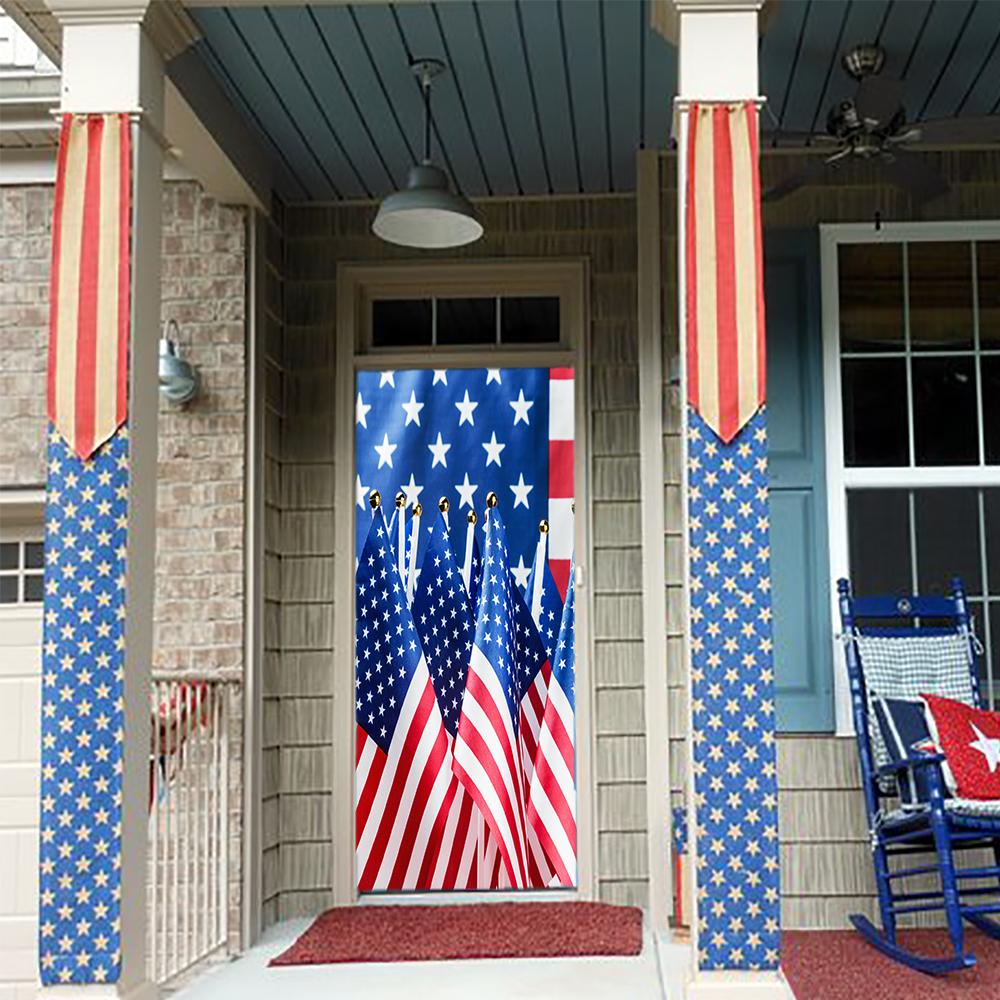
<point>550,96</point>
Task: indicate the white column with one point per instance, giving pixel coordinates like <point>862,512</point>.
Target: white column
<point>110,65</point>
<point>717,42</point>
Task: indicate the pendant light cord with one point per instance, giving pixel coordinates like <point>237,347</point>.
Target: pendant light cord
<point>425,86</point>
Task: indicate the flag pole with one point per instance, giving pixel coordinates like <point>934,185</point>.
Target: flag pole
<point>470,537</point>
<point>539,572</point>
<point>401,535</point>
<point>411,576</point>
<point>483,870</point>
<point>444,505</point>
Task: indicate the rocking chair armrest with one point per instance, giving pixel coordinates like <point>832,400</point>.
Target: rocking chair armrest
<point>911,763</point>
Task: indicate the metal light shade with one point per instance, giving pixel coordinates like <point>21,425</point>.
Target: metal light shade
<point>427,213</point>
<point>178,378</point>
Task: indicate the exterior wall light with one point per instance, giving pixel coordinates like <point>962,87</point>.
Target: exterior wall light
<point>178,378</point>
<point>426,213</point>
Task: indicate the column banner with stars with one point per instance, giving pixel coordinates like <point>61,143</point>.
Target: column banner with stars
<point>83,643</point>
<point>424,818</point>
<point>735,794</point>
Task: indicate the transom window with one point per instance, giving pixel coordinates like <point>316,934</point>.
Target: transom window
<point>465,322</point>
<point>913,380</point>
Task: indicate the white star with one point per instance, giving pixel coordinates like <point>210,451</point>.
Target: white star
<point>521,407</point>
<point>387,378</point>
<point>465,408</point>
<point>412,409</point>
<point>521,573</point>
<point>440,375</point>
<point>520,491</point>
<point>493,449</point>
<point>361,492</point>
<point>493,375</point>
<point>439,450</point>
<point>412,492</point>
<point>465,491</point>
<point>361,412</point>
<point>988,746</point>
<point>385,451</point>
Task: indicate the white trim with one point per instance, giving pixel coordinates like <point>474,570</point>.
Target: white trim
<point>356,285</point>
<point>840,478</point>
<point>654,574</point>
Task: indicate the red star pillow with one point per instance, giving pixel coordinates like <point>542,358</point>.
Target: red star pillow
<point>969,738</point>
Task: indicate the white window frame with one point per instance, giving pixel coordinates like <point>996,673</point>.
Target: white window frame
<point>839,477</point>
<point>22,518</point>
<point>357,286</point>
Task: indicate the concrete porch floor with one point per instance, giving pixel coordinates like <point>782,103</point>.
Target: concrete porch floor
<point>656,974</point>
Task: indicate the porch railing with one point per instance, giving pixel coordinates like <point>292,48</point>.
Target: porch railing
<point>188,884</point>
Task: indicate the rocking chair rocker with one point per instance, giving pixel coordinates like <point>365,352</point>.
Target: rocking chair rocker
<point>892,653</point>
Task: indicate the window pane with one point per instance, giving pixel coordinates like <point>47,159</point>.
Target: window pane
<point>466,321</point>
<point>990,370</point>
<point>33,555</point>
<point>8,589</point>
<point>401,322</point>
<point>33,587</point>
<point>940,295</point>
<point>8,555</point>
<point>947,535</point>
<point>871,296</point>
<point>529,321</point>
<point>944,411</point>
<point>878,524</point>
<point>988,274</point>
<point>991,499</point>
<point>875,428</point>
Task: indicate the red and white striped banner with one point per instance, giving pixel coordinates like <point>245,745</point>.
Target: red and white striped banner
<point>562,423</point>
<point>726,372</point>
<point>90,292</point>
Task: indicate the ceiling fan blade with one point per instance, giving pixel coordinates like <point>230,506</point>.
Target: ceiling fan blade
<point>910,173</point>
<point>878,98</point>
<point>957,131</point>
<point>811,174</point>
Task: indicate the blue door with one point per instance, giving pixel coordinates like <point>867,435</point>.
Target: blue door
<point>799,556</point>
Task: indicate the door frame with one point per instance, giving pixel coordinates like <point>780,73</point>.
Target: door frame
<point>357,285</point>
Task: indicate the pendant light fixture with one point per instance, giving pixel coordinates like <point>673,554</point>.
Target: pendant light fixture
<point>426,213</point>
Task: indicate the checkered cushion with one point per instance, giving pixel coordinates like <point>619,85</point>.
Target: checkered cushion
<point>908,666</point>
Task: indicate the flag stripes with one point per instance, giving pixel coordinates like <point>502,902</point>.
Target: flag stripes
<point>726,371</point>
<point>90,281</point>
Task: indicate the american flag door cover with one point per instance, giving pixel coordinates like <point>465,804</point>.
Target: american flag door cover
<point>465,733</point>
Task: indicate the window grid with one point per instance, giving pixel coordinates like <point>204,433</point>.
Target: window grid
<point>976,352</point>
<point>21,574</point>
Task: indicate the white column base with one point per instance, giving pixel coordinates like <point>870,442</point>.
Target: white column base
<point>738,986</point>
<point>143,990</point>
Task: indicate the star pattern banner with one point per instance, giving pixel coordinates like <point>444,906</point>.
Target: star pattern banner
<point>83,654</point>
<point>732,699</point>
<point>462,433</point>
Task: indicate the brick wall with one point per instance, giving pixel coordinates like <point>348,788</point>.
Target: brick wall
<point>199,583</point>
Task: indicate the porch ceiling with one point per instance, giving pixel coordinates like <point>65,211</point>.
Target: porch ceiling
<point>550,96</point>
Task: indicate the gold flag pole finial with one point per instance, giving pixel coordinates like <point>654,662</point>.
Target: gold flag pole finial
<point>471,517</point>
<point>444,504</point>
<point>418,510</point>
<point>375,499</point>
<point>543,526</point>
<point>400,500</point>
<point>491,502</point>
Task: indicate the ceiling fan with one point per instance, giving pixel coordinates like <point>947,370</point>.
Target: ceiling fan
<point>872,126</point>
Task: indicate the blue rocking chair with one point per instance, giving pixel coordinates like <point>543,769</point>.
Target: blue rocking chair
<point>898,648</point>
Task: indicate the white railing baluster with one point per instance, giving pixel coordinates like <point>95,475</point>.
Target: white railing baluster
<point>188,889</point>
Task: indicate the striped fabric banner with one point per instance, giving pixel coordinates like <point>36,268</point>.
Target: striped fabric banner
<point>89,292</point>
<point>726,370</point>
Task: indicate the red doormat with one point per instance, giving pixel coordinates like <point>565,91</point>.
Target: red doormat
<point>479,930</point>
<point>840,965</point>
